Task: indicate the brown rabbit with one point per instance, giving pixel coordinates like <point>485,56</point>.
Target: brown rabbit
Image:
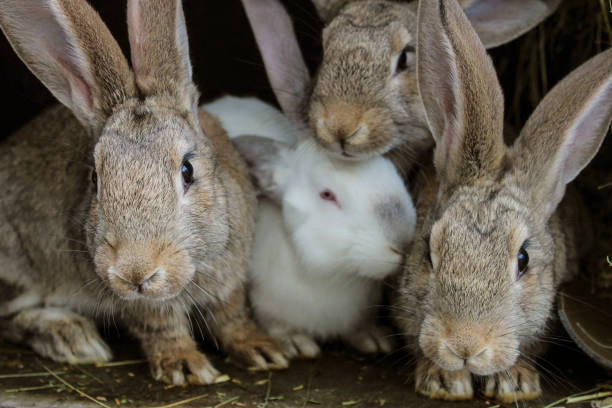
<point>137,208</point>
<point>364,99</point>
<point>494,239</point>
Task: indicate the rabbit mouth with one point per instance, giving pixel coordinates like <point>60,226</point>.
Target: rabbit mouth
<point>153,286</point>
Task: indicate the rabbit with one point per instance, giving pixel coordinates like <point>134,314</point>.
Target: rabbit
<point>249,115</point>
<point>328,233</point>
<point>496,233</point>
<point>363,100</point>
<point>126,204</point>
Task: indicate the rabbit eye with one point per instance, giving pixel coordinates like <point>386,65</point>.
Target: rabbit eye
<point>94,180</point>
<point>187,173</point>
<point>522,262</point>
<point>328,195</point>
<point>405,59</point>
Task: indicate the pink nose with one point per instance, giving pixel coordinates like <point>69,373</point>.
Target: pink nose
<point>139,281</point>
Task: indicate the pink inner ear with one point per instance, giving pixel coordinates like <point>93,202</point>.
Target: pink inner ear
<point>76,80</point>
<point>133,12</point>
<point>281,53</point>
<point>585,136</point>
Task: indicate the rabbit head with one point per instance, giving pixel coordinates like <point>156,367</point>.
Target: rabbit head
<point>479,283</point>
<point>364,99</point>
<point>341,216</point>
<point>156,206</point>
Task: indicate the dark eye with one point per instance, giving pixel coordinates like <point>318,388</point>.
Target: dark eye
<point>328,195</point>
<point>522,262</point>
<point>187,173</point>
<point>405,59</point>
<point>94,180</point>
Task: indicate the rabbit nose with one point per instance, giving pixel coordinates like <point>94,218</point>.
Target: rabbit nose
<point>342,123</point>
<point>465,351</point>
<point>136,280</point>
<point>146,280</point>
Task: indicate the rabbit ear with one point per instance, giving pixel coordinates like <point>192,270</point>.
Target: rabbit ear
<point>160,49</point>
<point>500,21</point>
<point>328,9</point>
<point>281,54</point>
<point>565,131</point>
<point>460,92</point>
<point>68,47</point>
<point>263,157</point>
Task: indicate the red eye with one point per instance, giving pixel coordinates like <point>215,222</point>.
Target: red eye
<point>328,195</point>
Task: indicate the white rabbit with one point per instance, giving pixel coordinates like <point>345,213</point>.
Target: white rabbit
<point>328,232</point>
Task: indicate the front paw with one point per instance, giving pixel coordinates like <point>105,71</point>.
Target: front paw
<point>436,383</point>
<point>371,340</point>
<point>299,345</point>
<point>520,382</point>
<point>60,335</point>
<point>175,365</point>
<point>256,349</point>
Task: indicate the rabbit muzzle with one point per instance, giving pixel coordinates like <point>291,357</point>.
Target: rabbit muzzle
<point>145,271</point>
<point>481,347</point>
<point>352,132</point>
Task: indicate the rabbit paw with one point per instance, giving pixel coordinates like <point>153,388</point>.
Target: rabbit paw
<point>60,335</point>
<point>172,364</point>
<point>299,345</point>
<point>520,382</point>
<point>371,341</point>
<point>258,350</point>
<point>436,383</point>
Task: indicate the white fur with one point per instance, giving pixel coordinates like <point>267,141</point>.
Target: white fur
<point>251,116</point>
<point>317,267</point>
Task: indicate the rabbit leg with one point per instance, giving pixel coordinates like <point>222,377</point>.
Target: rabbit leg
<point>242,338</point>
<point>172,353</point>
<point>58,334</point>
<point>436,383</point>
<point>370,339</point>
<point>520,382</point>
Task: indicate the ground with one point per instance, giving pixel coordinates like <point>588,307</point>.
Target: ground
<point>340,378</point>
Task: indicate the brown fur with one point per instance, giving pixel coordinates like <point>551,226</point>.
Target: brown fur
<point>467,311</point>
<point>358,104</point>
<point>136,246</point>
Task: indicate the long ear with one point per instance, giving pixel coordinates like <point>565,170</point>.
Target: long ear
<point>500,21</point>
<point>160,50</point>
<point>565,131</point>
<point>328,9</point>
<point>264,160</point>
<point>281,54</point>
<point>68,47</point>
<point>460,92</point>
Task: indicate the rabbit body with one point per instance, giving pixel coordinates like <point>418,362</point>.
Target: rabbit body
<point>328,232</point>
<point>287,290</point>
<point>498,233</point>
<point>131,206</point>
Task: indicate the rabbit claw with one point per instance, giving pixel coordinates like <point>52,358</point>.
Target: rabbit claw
<point>299,345</point>
<point>520,382</point>
<point>371,341</point>
<point>436,383</point>
<point>172,366</point>
<point>259,351</point>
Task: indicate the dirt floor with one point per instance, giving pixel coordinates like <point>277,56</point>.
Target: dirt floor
<point>340,378</point>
